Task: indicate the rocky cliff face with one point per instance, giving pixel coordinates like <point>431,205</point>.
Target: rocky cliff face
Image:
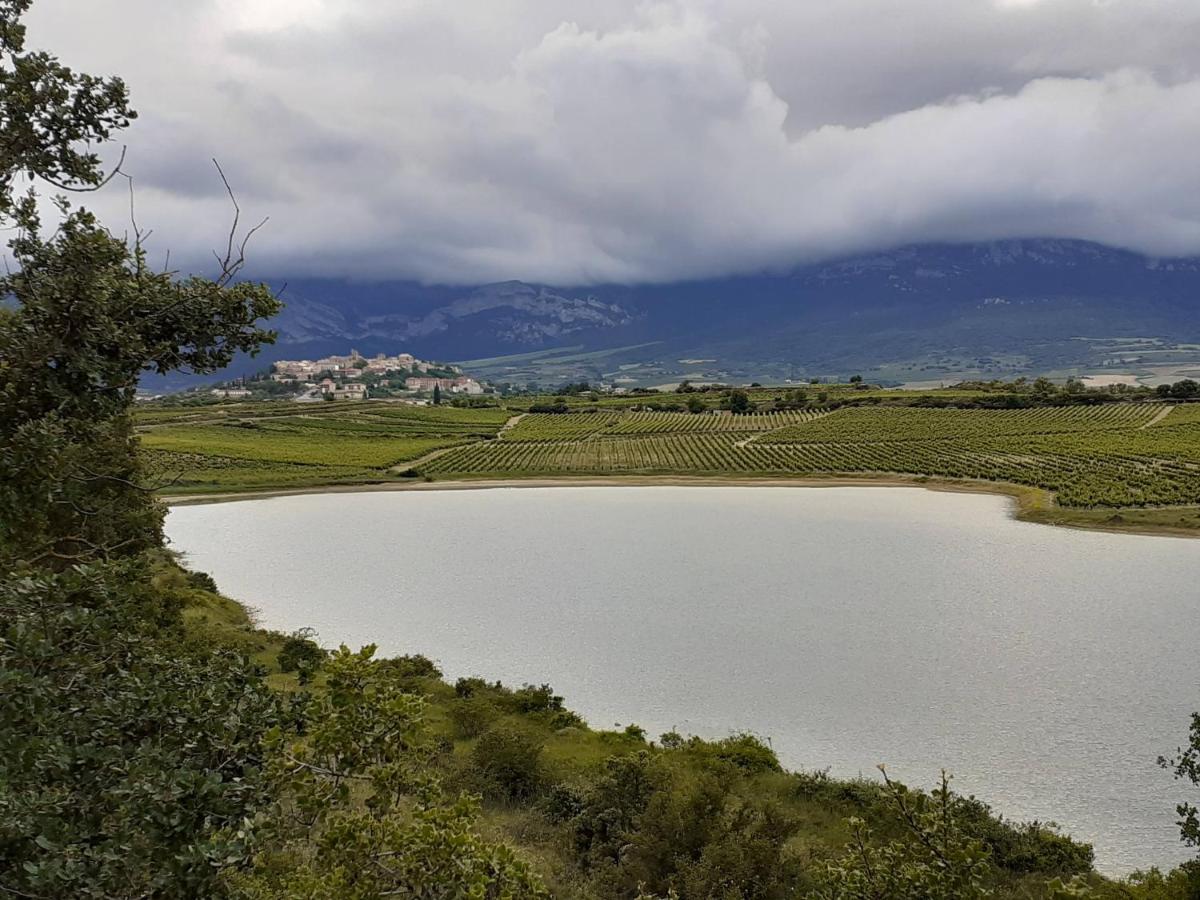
<point>512,313</point>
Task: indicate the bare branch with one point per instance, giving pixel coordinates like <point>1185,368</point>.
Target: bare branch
<point>235,251</point>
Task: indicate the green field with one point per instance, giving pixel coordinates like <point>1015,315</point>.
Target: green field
<point>286,445</point>
<point>1132,464</point>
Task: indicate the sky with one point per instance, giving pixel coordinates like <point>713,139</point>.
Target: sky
<point>569,142</point>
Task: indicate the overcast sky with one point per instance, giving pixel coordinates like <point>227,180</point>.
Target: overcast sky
<point>463,141</point>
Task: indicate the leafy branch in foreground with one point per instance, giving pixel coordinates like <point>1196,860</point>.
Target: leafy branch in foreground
<point>122,751</point>
<point>357,811</point>
<point>937,860</point>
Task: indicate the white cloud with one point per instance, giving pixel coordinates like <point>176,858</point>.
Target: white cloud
<point>569,142</point>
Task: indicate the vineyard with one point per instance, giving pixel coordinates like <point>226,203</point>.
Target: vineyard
<point>251,446</point>
<point>1116,455</point>
<point>573,426</point>
<point>857,424</point>
<point>1112,455</point>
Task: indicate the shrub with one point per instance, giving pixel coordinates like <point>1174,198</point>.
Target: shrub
<point>747,752</point>
<point>416,666</point>
<point>202,581</point>
<point>508,762</point>
<point>472,716</point>
<point>540,698</point>
<point>564,718</point>
<point>301,654</point>
<point>467,687</point>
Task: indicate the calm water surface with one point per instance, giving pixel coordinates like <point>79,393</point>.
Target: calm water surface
<point>1044,668</point>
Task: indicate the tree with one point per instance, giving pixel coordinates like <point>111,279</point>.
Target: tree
<point>1185,389</point>
<point>50,117</point>
<point>695,405</point>
<point>1044,388</point>
<point>738,401</point>
<point>437,394</point>
<point>856,379</point>
<point>90,316</point>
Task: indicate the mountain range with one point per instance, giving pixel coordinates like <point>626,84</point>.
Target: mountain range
<point>926,313</point>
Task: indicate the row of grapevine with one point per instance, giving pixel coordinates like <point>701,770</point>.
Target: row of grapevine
<point>1126,468</point>
<point>676,423</point>
<point>859,424</point>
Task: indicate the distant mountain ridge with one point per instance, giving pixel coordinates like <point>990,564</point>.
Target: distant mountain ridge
<point>930,310</point>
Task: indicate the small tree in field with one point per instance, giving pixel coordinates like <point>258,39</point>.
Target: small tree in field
<point>739,402</point>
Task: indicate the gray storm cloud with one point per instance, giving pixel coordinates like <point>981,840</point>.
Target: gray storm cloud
<point>579,142</point>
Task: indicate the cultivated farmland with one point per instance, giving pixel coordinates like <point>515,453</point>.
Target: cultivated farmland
<point>1117,455</point>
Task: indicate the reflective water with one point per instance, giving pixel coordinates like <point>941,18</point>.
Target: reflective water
<point>1045,668</point>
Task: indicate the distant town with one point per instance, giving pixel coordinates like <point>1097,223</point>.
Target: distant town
<point>356,377</point>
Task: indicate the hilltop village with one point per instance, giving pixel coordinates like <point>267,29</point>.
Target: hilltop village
<point>355,377</point>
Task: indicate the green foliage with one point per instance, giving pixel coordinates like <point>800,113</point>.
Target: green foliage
<point>1186,766</point>
<point>50,116</point>
<point>1023,848</point>
<point>1187,389</point>
<point>609,810</point>
<point>744,751</point>
<point>301,654</point>
<point>738,402</point>
<point>936,860</point>
<point>411,667</point>
<point>700,839</point>
<point>507,760</point>
<point>358,812</point>
<point>1181,883</point>
<point>654,823</point>
<point>121,754</point>
<point>90,317</point>
<point>202,581</point>
<point>472,716</point>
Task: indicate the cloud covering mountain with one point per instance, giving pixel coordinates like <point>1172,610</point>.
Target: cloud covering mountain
<point>570,143</point>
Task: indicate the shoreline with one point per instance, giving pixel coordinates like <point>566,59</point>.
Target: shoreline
<point>1027,504</point>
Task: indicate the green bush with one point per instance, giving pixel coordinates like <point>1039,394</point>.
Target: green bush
<point>415,666</point>
<point>507,761</point>
<point>121,753</point>
<point>202,581</point>
<point>472,716</point>
<point>301,654</point>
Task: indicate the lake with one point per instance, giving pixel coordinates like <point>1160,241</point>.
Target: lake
<point>1045,668</point>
